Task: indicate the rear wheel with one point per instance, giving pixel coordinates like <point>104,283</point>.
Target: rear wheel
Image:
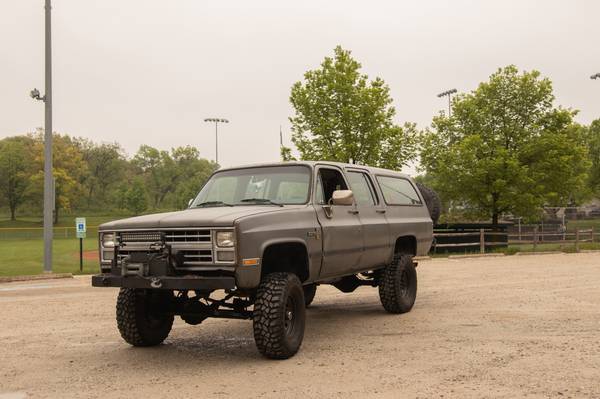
<point>279,315</point>
<point>309,293</point>
<point>398,285</point>
<point>141,316</point>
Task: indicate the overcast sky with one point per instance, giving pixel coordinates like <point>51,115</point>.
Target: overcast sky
<point>149,72</point>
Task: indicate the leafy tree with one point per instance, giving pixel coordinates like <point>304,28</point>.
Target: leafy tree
<point>593,142</point>
<point>135,198</point>
<point>506,149</point>
<point>286,154</point>
<point>342,116</point>
<point>107,167</point>
<point>69,171</point>
<point>172,178</point>
<point>14,171</point>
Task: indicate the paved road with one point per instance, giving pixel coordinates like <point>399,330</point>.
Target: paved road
<point>495,327</point>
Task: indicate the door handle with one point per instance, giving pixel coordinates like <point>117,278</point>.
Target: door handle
<point>380,210</point>
<point>353,211</point>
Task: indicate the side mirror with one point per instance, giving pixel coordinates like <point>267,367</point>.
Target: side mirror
<point>342,197</point>
<point>190,202</point>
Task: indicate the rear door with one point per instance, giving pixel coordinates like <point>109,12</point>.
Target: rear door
<point>341,227</point>
<point>371,212</point>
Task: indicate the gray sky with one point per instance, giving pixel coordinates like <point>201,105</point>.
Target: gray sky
<point>149,72</point>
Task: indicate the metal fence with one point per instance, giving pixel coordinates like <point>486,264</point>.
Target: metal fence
<point>37,233</point>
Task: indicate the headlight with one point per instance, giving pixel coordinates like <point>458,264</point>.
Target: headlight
<point>108,240</point>
<point>224,239</point>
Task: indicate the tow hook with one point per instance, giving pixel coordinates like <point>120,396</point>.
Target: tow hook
<point>155,282</point>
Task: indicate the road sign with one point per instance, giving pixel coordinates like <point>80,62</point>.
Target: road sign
<point>80,227</point>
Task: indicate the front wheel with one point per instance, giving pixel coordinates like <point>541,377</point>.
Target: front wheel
<point>279,315</point>
<point>141,318</point>
<point>398,285</point>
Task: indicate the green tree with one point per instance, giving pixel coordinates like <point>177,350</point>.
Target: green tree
<point>506,149</point>
<point>69,171</point>
<point>172,178</point>
<point>107,167</point>
<point>593,142</point>
<point>135,198</point>
<point>342,116</point>
<point>15,171</point>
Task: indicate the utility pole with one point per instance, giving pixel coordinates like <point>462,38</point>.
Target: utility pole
<point>280,138</point>
<point>216,121</point>
<point>48,178</point>
<point>448,93</point>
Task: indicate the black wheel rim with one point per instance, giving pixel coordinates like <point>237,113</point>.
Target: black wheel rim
<point>152,315</point>
<point>289,316</point>
<point>404,284</point>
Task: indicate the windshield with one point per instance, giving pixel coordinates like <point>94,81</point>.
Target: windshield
<point>277,185</point>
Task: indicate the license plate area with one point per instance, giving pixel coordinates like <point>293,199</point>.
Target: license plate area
<point>146,264</point>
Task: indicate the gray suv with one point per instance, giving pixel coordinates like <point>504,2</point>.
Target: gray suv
<point>257,241</point>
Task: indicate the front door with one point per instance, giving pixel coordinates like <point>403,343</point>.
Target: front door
<point>342,231</point>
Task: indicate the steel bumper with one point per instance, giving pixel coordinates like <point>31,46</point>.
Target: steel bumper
<point>164,282</point>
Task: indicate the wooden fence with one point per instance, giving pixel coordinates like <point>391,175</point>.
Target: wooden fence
<point>484,238</point>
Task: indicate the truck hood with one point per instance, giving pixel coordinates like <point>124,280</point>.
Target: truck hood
<point>198,217</point>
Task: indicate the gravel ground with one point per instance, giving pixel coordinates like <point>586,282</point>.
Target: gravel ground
<point>486,327</point>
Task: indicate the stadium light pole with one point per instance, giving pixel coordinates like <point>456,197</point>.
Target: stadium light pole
<point>595,76</point>
<point>216,121</point>
<point>448,93</point>
<point>48,179</point>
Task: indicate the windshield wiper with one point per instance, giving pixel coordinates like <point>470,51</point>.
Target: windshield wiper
<point>211,203</point>
<point>261,201</point>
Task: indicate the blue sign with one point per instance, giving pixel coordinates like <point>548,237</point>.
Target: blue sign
<point>80,227</point>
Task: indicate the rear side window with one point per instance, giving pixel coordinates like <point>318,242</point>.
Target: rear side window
<point>361,188</point>
<point>398,191</point>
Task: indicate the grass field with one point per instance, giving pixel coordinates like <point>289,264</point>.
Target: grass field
<point>22,246</point>
<point>25,257</point>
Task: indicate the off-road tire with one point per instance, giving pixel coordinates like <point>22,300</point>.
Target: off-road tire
<point>278,334</point>
<point>432,200</point>
<point>398,285</point>
<point>309,293</point>
<point>137,319</point>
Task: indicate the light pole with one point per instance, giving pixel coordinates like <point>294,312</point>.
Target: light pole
<point>448,93</point>
<point>216,121</point>
<point>48,180</point>
<point>595,76</point>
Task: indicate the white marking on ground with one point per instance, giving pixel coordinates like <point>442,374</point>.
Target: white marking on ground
<point>13,395</point>
<point>34,287</point>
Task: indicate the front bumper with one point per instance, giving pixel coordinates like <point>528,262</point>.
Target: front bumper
<point>165,282</point>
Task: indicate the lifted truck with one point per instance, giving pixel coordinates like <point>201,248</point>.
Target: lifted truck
<point>267,235</point>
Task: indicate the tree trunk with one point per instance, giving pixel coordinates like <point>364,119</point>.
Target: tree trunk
<point>495,213</point>
<point>12,213</point>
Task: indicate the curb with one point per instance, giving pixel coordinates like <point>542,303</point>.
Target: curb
<point>419,258</point>
<point>49,276</point>
<point>476,256</point>
<point>540,253</point>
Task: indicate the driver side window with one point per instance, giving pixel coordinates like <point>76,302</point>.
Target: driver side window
<point>328,181</point>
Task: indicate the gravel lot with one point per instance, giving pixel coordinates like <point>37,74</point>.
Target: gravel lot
<point>484,327</point>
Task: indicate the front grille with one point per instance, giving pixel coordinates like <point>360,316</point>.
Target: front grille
<point>192,247</point>
<point>188,236</point>
<point>197,257</point>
